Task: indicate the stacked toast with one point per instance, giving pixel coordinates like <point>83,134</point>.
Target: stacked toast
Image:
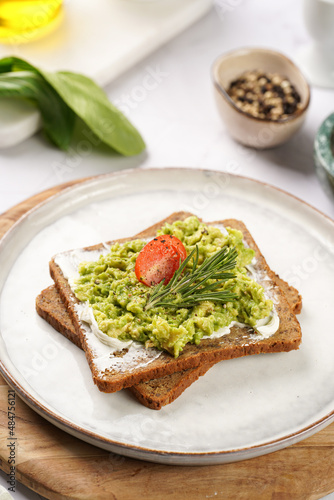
<point>155,377</point>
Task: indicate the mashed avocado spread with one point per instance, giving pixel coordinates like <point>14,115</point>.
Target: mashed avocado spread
<point>118,299</point>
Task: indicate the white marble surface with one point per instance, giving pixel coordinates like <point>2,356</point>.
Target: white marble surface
<point>179,120</point>
<point>133,30</point>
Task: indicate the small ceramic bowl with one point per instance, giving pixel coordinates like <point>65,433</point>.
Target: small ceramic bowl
<point>257,132</point>
<point>324,154</point>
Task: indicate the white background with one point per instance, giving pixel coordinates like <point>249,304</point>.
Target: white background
<point>179,120</point>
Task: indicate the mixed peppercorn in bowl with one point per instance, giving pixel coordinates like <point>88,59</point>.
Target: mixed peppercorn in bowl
<point>261,95</point>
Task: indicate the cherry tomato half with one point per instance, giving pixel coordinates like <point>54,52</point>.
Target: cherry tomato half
<point>159,260</point>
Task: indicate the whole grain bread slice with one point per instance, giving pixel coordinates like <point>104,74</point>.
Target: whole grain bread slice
<point>154,393</point>
<point>126,370</point>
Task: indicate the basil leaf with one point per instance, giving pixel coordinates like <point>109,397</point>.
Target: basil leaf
<point>63,96</point>
<point>58,118</point>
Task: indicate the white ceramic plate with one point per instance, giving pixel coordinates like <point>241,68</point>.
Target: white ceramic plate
<point>241,408</point>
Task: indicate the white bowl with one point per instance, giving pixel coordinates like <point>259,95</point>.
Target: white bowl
<point>243,127</point>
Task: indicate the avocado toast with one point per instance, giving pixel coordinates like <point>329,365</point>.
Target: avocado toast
<point>152,364</point>
<point>154,393</point>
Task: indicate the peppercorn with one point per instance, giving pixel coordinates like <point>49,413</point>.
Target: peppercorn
<point>266,96</point>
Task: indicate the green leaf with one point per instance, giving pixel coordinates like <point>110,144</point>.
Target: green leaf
<point>8,64</point>
<point>89,102</point>
<point>58,118</point>
<point>63,95</point>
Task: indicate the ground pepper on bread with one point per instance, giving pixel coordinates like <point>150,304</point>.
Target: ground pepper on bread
<point>118,299</point>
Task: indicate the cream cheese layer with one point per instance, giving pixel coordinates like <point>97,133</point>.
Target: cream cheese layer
<point>69,263</point>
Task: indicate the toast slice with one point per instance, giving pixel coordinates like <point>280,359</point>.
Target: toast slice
<point>113,372</point>
<point>154,393</point>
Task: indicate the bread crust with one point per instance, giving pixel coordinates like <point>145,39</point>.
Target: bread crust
<point>239,342</point>
<point>154,393</point>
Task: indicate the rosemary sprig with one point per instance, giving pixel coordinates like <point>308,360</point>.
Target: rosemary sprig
<point>194,286</point>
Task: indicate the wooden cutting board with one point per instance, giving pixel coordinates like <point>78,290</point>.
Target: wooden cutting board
<point>59,466</point>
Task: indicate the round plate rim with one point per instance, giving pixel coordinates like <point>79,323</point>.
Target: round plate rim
<point>196,458</point>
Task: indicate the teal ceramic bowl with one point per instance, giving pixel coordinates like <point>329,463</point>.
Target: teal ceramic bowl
<point>324,154</point>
